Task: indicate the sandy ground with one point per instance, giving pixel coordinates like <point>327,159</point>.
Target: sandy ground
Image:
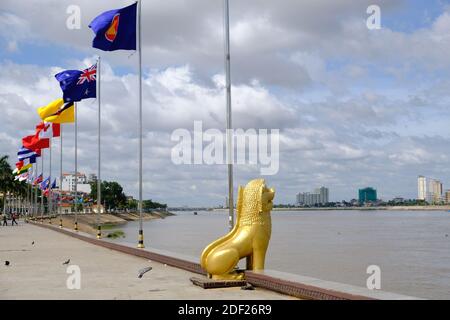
<point>37,271</point>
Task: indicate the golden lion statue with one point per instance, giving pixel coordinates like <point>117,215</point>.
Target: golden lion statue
<point>249,237</point>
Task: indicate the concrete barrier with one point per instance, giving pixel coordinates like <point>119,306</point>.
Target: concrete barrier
<point>286,283</point>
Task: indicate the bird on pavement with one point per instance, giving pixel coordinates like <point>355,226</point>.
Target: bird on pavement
<point>248,286</point>
<point>144,270</point>
<point>6,263</point>
<point>32,243</point>
<point>66,262</point>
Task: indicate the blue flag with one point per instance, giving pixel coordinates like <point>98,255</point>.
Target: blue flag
<point>44,184</point>
<point>78,85</point>
<point>115,29</point>
<point>54,186</point>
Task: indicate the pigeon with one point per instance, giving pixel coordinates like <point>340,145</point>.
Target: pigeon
<point>6,263</point>
<point>144,270</point>
<point>32,243</point>
<point>248,286</point>
<point>66,262</point>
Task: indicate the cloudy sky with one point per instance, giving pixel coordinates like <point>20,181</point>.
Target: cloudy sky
<point>355,107</point>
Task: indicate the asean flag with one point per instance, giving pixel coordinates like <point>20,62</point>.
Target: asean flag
<point>115,29</point>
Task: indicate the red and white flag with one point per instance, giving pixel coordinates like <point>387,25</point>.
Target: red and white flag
<point>48,130</point>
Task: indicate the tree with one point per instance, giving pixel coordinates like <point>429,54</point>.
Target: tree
<point>112,194</point>
<point>6,178</point>
<point>148,205</point>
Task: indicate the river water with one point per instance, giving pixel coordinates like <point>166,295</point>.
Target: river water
<point>412,248</point>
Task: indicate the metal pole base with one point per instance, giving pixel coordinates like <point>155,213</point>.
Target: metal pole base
<point>141,240</point>
<point>60,223</point>
<point>76,226</point>
<point>99,232</point>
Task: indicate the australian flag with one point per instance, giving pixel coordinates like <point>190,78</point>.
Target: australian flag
<point>115,29</point>
<point>78,85</point>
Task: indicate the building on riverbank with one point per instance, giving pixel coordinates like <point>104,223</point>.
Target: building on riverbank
<point>367,195</point>
<point>319,196</point>
<point>447,196</point>
<point>429,190</point>
<point>83,182</point>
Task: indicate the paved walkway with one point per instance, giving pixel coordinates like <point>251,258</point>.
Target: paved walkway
<point>36,271</point>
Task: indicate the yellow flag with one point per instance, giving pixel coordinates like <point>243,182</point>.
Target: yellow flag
<point>58,112</point>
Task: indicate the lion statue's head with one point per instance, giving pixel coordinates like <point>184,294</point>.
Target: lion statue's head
<point>255,200</point>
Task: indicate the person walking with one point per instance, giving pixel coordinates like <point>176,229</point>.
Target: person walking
<point>13,219</point>
<point>5,220</point>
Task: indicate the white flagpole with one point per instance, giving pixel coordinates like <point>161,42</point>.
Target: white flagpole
<point>32,203</point>
<point>229,115</point>
<point>141,231</point>
<point>60,176</point>
<point>76,167</point>
<point>99,182</point>
<point>49,197</point>
<point>42,194</point>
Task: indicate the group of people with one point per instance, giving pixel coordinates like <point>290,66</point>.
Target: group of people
<point>14,218</point>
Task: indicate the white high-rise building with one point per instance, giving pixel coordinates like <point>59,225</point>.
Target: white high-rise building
<point>422,188</point>
<point>319,196</point>
<point>68,183</point>
<point>429,190</point>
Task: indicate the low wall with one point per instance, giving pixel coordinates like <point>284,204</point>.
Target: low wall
<point>285,283</point>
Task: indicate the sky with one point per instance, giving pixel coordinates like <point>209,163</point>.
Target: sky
<point>355,107</point>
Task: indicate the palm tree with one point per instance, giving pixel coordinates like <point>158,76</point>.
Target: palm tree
<point>6,178</point>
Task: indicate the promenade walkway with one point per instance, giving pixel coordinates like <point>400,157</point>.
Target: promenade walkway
<point>37,271</point>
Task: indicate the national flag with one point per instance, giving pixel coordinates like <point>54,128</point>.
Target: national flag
<point>24,176</point>
<point>58,111</point>
<point>44,184</point>
<point>25,153</point>
<point>37,180</point>
<point>25,157</point>
<point>115,29</point>
<point>24,169</point>
<point>54,186</point>
<point>78,85</point>
<point>48,130</point>
<point>33,142</point>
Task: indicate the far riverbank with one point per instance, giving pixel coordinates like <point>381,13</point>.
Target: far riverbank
<point>386,208</point>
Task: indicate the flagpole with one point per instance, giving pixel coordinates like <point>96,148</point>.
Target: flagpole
<point>76,166</point>
<point>32,191</point>
<point>42,194</point>
<point>60,176</point>
<point>35,200</point>
<point>99,182</point>
<point>49,197</point>
<point>229,115</point>
<point>141,231</point>
<point>28,202</point>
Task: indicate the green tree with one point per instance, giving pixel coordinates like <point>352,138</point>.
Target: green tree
<point>132,204</point>
<point>7,182</point>
<point>113,196</point>
<point>148,205</point>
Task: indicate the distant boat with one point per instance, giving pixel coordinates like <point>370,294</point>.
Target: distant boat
<point>195,213</point>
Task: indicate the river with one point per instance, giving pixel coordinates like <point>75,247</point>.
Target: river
<point>412,248</point>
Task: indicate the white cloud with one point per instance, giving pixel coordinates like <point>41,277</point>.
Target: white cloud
<point>355,107</point>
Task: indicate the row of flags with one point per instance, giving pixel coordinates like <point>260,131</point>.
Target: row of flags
<point>114,30</point>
